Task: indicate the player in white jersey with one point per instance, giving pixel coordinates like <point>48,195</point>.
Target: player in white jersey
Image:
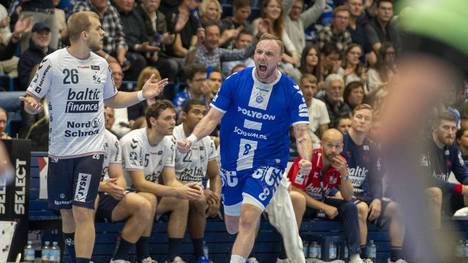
<point>115,204</point>
<point>256,108</point>
<point>77,84</point>
<point>148,155</point>
<point>196,165</point>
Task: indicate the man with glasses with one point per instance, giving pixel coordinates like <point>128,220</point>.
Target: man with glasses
<point>336,33</point>
<point>380,29</point>
<point>327,190</point>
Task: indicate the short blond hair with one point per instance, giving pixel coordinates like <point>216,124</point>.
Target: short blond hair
<point>267,36</point>
<point>204,7</point>
<point>79,22</point>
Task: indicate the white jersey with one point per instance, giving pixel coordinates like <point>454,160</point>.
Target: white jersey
<point>76,90</point>
<point>113,153</point>
<point>138,154</point>
<point>192,166</point>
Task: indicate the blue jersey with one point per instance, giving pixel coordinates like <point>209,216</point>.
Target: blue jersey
<point>363,168</point>
<point>257,117</point>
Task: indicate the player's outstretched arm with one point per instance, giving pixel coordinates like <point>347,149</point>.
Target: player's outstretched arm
<point>304,146</point>
<point>151,89</point>
<point>204,128</point>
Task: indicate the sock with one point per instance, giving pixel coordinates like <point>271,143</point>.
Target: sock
<point>237,259</point>
<point>395,253</point>
<point>83,260</point>
<point>122,248</point>
<point>142,251</point>
<point>69,240</point>
<point>197,247</point>
<point>363,253</point>
<point>174,245</point>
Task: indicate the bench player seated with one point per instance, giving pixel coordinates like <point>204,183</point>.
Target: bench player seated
<point>318,191</point>
<point>366,176</point>
<point>116,204</point>
<point>149,156</point>
<point>194,166</point>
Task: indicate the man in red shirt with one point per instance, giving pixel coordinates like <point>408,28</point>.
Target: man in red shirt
<point>327,189</point>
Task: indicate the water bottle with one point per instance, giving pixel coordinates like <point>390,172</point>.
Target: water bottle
<point>466,249</point>
<point>54,256</point>
<point>313,250</point>
<point>460,250</point>
<point>45,253</point>
<point>305,248</point>
<point>332,251</point>
<point>371,251</point>
<point>345,252</point>
<point>29,252</point>
<point>206,251</point>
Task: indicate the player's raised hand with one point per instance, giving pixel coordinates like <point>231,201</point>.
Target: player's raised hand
<point>32,105</point>
<point>153,87</point>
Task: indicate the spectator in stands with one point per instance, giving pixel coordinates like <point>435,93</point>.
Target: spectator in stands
<point>215,79</point>
<point>184,24</point>
<point>148,155</point>
<point>336,33</point>
<point>244,39</point>
<point>197,87</point>
<point>462,142</point>
<point>310,63</point>
<point>141,50</point>
<point>40,11</point>
<point>209,53</point>
<point>115,204</point>
<point>353,69</point>
<point>298,20</point>
<point>272,21</point>
<point>330,61</point>
<point>138,110</point>
<point>382,72</point>
<point>157,32</point>
<point>441,158</point>
<point>343,124</point>
<point>354,94</point>
<point>333,98</point>
<point>195,166</point>
<point>3,123</point>
<point>37,50</point>
<point>357,28</point>
<point>121,124</point>
<point>114,44</point>
<point>210,12</point>
<point>241,10</point>
<point>381,29</point>
<point>318,114</point>
<point>312,193</point>
<point>366,176</point>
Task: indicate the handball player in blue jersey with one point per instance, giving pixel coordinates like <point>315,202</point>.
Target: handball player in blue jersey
<point>256,108</point>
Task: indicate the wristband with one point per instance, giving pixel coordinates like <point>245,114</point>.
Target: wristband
<point>140,96</point>
<point>192,138</point>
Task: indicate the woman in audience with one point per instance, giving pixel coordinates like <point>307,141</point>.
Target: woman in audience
<point>138,110</point>
<point>310,61</point>
<point>354,94</point>
<point>353,69</point>
<point>382,72</point>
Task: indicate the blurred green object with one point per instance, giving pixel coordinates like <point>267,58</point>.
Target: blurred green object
<point>442,20</point>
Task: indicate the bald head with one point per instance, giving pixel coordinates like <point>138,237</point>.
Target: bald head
<point>332,143</point>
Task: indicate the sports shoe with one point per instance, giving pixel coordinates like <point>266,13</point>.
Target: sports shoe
<point>252,260</point>
<point>149,260</point>
<point>119,261</point>
<point>398,261</point>
<point>177,260</point>
<point>278,260</point>
<point>356,259</point>
<point>367,260</point>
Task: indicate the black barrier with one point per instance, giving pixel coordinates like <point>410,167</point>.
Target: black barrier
<point>14,198</point>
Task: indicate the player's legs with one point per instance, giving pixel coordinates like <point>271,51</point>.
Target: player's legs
<point>232,199</point>
<point>299,205</point>
<point>68,230</point>
<point>434,195</point>
<point>396,230</point>
<point>84,231</point>
<point>197,223</point>
<point>248,222</point>
<point>177,224</point>
<point>142,249</point>
<point>363,211</point>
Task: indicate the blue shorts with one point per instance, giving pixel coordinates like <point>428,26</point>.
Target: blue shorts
<point>106,205</point>
<point>254,186</point>
<point>74,181</point>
